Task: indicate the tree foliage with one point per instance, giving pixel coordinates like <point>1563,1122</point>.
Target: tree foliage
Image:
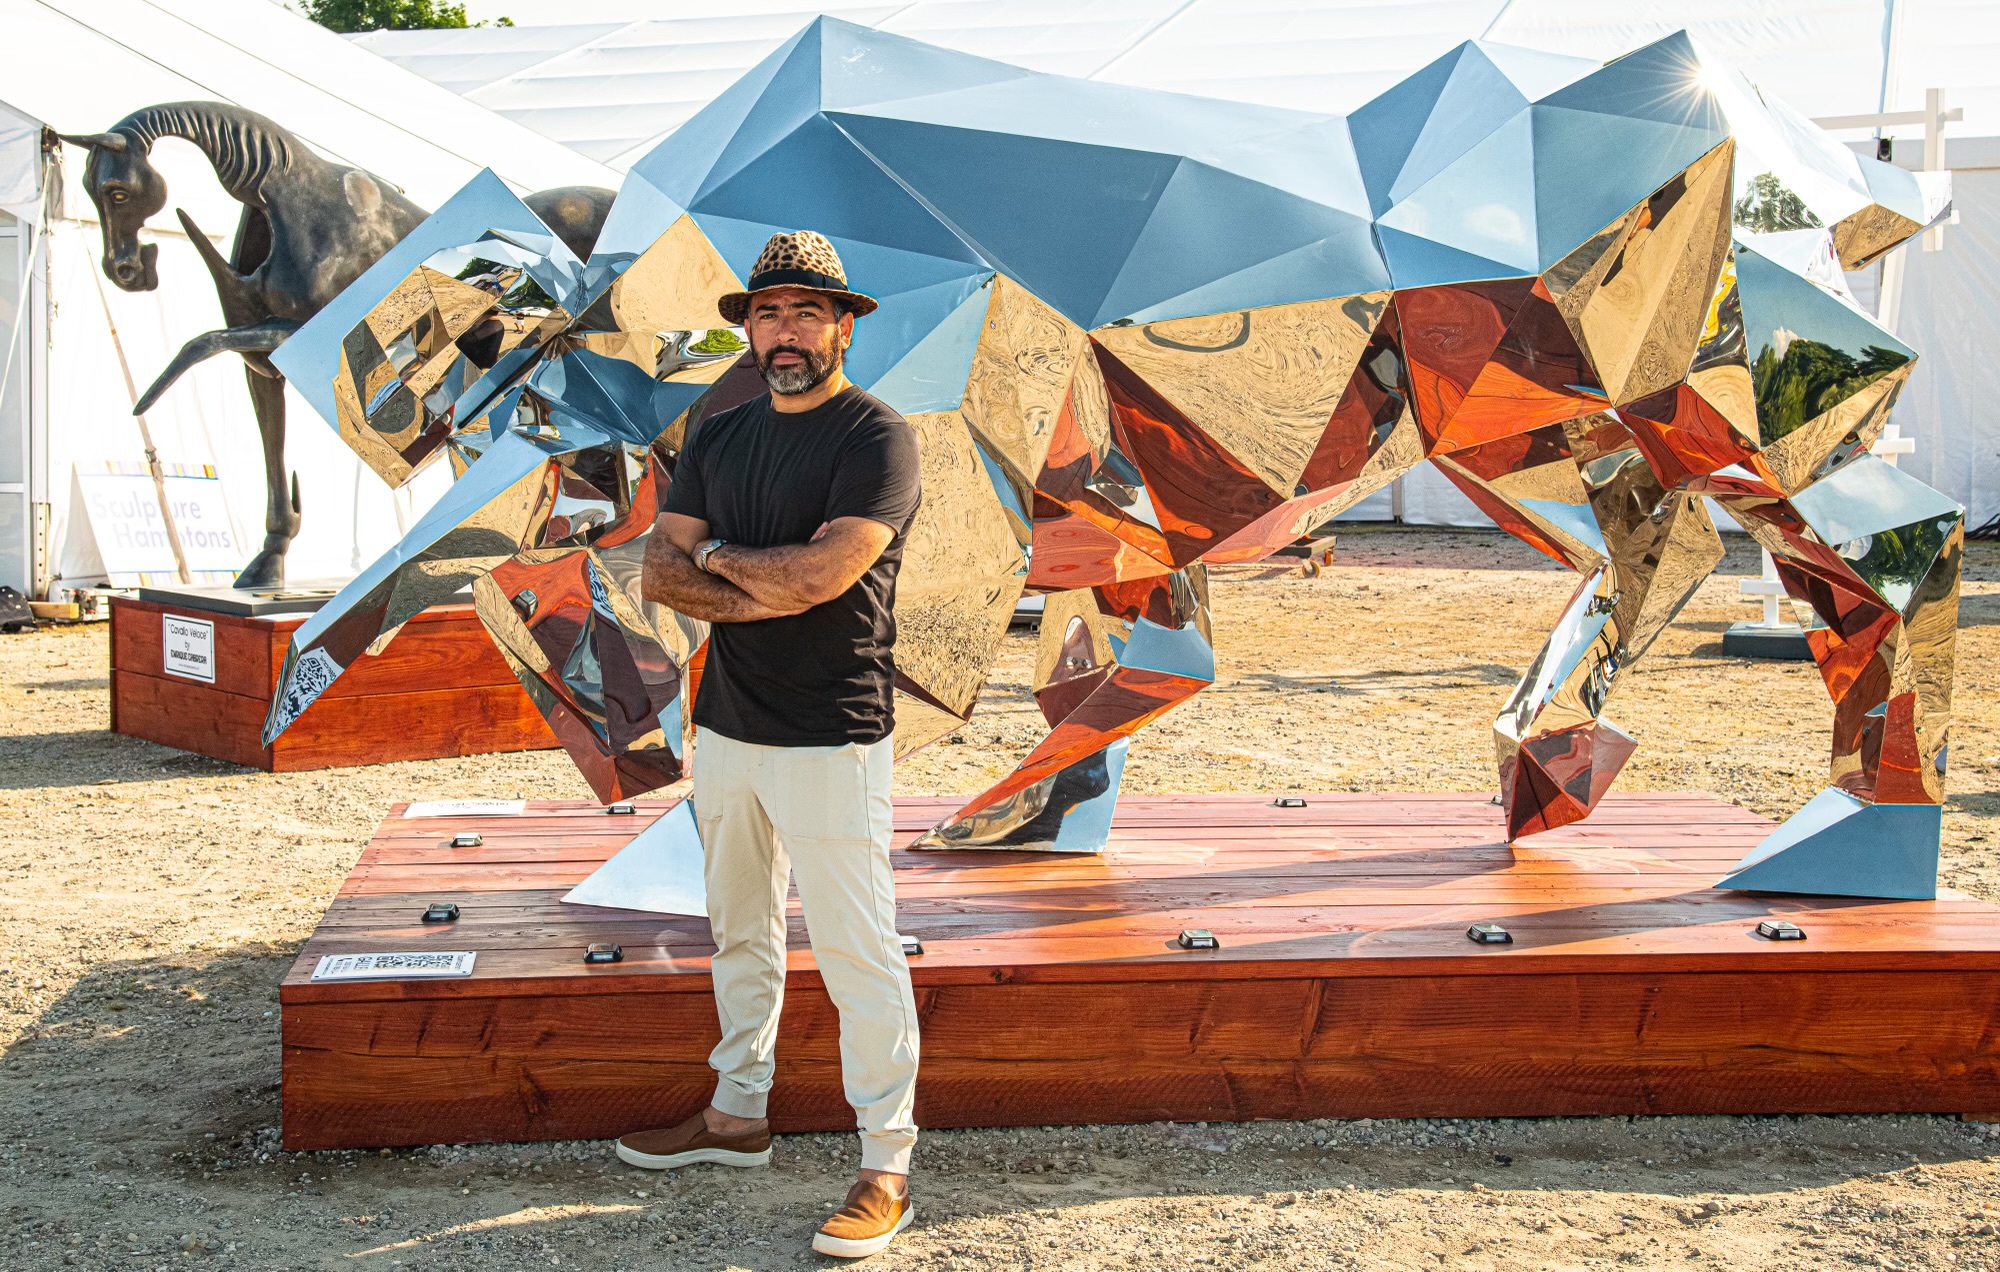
<point>1768,206</point>
<point>1811,379</point>
<point>387,15</point>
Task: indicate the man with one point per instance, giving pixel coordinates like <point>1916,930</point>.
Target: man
<point>784,528</point>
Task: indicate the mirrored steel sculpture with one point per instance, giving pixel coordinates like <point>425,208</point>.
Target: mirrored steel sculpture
<point>1139,334</point>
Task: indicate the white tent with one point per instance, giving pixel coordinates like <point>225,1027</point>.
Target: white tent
<point>612,77</point>
<point>78,66</point>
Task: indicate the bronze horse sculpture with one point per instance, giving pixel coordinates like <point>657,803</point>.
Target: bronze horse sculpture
<point>309,228</point>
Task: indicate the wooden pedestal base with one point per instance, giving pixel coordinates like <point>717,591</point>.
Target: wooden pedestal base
<point>1050,989</point>
<point>439,689</point>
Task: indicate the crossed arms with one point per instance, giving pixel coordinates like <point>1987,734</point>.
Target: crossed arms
<point>743,584</point>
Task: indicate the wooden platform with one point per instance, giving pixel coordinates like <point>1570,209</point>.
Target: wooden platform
<point>439,689</point>
<point>1051,993</point>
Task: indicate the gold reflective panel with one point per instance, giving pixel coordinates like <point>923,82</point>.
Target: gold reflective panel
<point>404,367</point>
<point>1836,435</point>
<point>920,722</point>
<point>671,286</point>
<point>1864,237</point>
<point>1641,322</point>
<point>1022,370</point>
<point>963,570</point>
<point>1264,383</point>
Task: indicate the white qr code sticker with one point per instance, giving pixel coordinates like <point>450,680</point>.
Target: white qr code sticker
<point>349,967</point>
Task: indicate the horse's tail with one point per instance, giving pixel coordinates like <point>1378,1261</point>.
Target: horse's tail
<point>257,338</point>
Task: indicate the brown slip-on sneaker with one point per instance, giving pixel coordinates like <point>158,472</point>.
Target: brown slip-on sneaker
<point>692,1142</point>
<point>868,1222</point>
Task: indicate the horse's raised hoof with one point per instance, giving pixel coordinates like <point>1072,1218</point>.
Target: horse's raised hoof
<point>266,570</point>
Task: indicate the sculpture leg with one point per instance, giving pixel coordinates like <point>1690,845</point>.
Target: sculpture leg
<point>1876,556</point>
<point>1112,660</point>
<point>1581,492</point>
<point>281,498</point>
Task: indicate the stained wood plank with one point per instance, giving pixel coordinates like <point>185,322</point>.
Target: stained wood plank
<point>442,648</point>
<point>1345,985</point>
<point>439,689</point>
<point>242,647</point>
<point>514,1069</point>
<point>189,716</point>
<point>478,720</point>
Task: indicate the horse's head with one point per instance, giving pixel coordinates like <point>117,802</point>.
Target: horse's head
<point>126,189</point>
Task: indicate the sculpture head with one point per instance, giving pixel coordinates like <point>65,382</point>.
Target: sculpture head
<point>127,189</point>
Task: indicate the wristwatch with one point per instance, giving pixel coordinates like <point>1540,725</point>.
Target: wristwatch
<point>703,551</point>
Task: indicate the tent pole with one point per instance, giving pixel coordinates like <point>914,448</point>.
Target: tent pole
<point>145,437</point>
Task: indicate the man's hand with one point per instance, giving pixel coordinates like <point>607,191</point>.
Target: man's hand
<point>670,577</point>
<point>797,576</point>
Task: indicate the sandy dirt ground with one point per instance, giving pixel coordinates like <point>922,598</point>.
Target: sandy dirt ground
<point>150,901</point>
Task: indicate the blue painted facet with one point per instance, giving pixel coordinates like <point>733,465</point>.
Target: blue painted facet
<point>861,67</point>
<point>1477,100</point>
<point>1086,827</point>
<point>1536,72</point>
<point>1867,496</point>
<point>1171,651</point>
<point>1839,846</point>
<point>788,97</point>
<point>1211,226</point>
<point>1575,520</point>
<point>1421,262</point>
<point>1313,160</point>
<point>1483,203</point>
<point>1086,112</point>
<point>1663,82</point>
<point>815,178</point>
<point>931,374</point>
<point>1058,216</point>
<point>1387,127</point>
<point>1589,166</point>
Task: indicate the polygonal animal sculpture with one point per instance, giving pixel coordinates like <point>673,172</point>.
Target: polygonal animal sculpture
<point>309,228</point>
<point>1139,333</point>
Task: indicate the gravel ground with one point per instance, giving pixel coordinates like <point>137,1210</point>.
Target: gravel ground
<point>151,900</point>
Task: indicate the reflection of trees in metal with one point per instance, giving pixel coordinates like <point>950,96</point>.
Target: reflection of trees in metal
<point>1768,207</point>
<point>1811,379</point>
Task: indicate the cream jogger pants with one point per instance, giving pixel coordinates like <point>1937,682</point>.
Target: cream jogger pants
<point>827,810</point>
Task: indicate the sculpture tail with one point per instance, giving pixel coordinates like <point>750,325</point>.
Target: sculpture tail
<point>260,337</point>
<point>229,285</point>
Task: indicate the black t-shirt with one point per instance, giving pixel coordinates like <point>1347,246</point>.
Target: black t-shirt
<point>762,479</point>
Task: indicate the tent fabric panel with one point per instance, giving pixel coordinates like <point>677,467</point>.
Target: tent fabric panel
<point>1951,405</point>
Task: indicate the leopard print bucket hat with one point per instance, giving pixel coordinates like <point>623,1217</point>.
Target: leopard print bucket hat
<point>800,259</point>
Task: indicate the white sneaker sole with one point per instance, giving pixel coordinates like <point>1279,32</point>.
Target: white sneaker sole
<point>693,1157</point>
<point>840,1248</point>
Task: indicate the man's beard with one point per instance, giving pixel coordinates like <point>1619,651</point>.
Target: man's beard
<point>811,372</point>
